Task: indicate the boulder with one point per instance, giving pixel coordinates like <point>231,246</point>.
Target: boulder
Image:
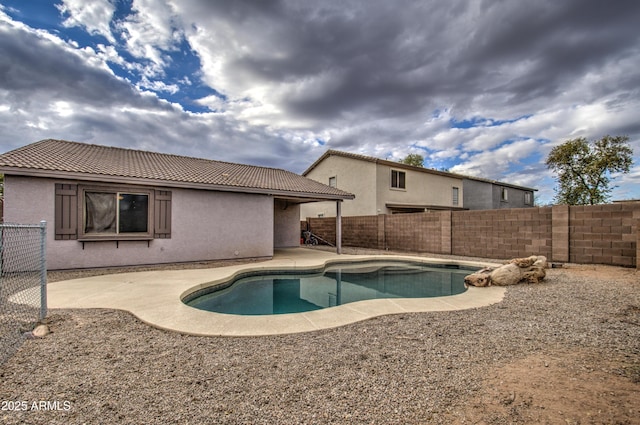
<point>518,270</point>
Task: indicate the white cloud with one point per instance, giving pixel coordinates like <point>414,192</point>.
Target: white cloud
<point>217,48</point>
<point>214,103</point>
<point>494,163</point>
<point>158,86</point>
<point>94,15</point>
<point>62,109</point>
<point>149,32</point>
<point>623,182</point>
<point>109,53</point>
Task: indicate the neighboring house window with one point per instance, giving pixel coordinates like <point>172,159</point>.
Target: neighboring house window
<point>528,198</point>
<point>455,195</point>
<point>504,196</point>
<point>332,182</point>
<point>111,213</point>
<point>398,179</point>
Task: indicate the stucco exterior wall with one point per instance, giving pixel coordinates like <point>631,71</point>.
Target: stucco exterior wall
<point>286,224</point>
<point>371,183</point>
<point>481,195</point>
<point>421,189</point>
<point>478,195</point>
<point>515,198</point>
<point>353,176</point>
<point>205,226</point>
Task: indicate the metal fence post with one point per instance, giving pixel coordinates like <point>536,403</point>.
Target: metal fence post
<point>43,269</point>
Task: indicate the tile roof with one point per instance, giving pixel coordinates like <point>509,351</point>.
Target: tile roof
<point>103,163</point>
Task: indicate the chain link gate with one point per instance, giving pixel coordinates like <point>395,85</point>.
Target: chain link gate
<point>23,283</point>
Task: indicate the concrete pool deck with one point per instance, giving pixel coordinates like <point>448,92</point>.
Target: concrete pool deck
<point>155,297</point>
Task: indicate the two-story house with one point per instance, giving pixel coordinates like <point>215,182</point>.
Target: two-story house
<point>485,194</point>
<point>388,187</point>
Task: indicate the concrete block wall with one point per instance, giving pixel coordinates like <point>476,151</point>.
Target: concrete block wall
<point>560,233</point>
<point>326,228</point>
<point>507,233</point>
<point>446,233</point>
<point>360,231</point>
<point>604,234</point>
<point>594,234</point>
<point>419,232</point>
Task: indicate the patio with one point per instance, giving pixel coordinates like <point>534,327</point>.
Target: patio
<point>155,297</point>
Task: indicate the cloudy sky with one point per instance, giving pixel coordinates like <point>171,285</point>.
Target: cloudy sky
<point>483,88</point>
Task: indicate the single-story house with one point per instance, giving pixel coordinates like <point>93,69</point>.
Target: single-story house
<point>388,187</point>
<point>108,206</point>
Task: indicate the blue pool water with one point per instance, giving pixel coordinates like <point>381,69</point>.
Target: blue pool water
<point>282,293</point>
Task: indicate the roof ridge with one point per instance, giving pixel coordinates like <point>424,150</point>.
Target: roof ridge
<point>118,148</point>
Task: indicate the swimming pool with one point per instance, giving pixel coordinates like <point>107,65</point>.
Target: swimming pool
<point>281,292</point>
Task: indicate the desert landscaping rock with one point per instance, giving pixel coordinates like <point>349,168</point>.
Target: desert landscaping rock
<point>566,350</point>
<point>530,270</point>
<point>41,331</point>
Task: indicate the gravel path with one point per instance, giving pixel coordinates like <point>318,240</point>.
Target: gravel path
<point>105,366</point>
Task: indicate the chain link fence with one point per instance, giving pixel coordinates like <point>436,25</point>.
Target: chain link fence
<point>23,283</point>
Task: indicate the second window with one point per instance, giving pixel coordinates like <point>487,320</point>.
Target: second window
<point>398,179</point>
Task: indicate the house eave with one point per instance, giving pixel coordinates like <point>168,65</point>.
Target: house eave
<point>66,175</point>
<point>499,183</point>
<point>423,206</point>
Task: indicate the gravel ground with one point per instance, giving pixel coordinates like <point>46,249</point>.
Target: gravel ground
<point>564,351</point>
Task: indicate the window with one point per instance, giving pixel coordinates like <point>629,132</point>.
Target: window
<point>332,182</point>
<point>108,213</point>
<point>504,196</point>
<point>528,198</point>
<point>116,213</point>
<point>398,179</point>
<point>455,195</point>
<point>111,213</point>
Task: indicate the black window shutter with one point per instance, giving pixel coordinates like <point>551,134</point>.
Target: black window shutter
<point>66,214</point>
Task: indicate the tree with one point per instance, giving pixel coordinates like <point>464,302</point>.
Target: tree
<point>584,169</point>
<point>414,159</point>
